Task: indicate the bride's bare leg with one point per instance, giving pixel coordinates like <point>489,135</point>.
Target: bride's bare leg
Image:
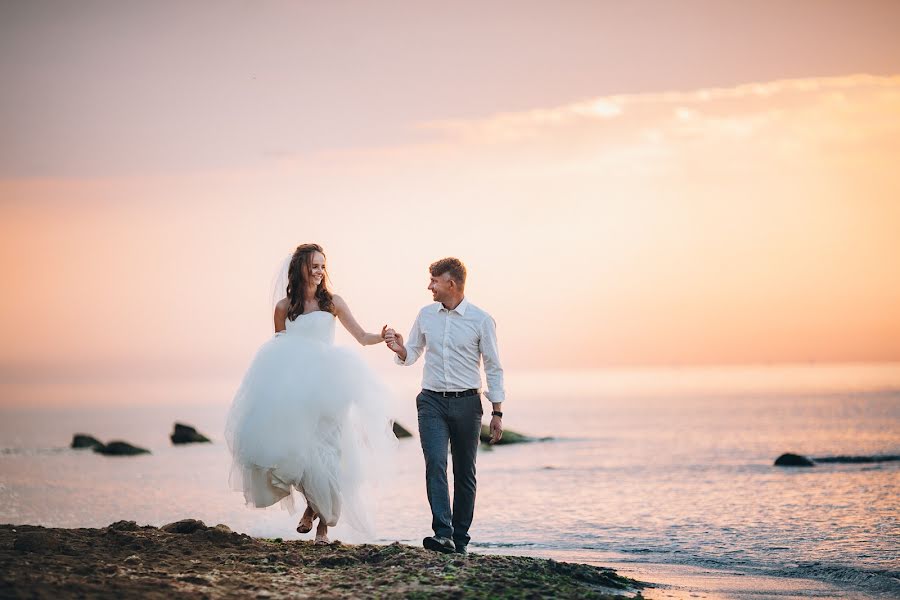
<point>306,521</point>
<point>322,532</point>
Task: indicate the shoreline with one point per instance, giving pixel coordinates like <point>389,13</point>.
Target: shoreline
<point>687,581</point>
<point>188,557</point>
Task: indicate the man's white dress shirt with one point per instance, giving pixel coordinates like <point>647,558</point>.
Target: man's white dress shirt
<point>454,342</point>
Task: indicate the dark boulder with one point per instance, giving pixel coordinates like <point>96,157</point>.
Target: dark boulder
<point>83,440</point>
<point>185,434</point>
<point>509,437</point>
<point>118,448</point>
<point>793,460</point>
<point>400,431</point>
<point>184,526</point>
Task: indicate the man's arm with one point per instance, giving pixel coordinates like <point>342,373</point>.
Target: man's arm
<point>409,353</point>
<point>490,354</point>
<point>493,372</point>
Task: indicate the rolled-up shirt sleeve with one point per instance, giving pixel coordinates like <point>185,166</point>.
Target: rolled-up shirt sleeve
<point>415,344</point>
<point>490,354</point>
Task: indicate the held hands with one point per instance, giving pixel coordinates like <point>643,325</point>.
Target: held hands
<point>393,339</point>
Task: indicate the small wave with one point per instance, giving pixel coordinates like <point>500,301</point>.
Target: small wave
<point>509,545</point>
<point>32,451</point>
<point>887,582</point>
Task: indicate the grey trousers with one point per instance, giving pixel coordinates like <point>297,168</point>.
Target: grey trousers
<point>456,421</point>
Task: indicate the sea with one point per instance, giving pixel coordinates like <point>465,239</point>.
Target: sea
<point>662,466</point>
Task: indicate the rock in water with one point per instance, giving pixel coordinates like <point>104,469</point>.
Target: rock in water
<point>118,448</point>
<point>185,434</point>
<point>400,431</point>
<point>877,458</point>
<point>83,440</point>
<point>793,460</point>
<point>509,437</point>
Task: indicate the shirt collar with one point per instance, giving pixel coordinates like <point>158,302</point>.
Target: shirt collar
<point>461,308</point>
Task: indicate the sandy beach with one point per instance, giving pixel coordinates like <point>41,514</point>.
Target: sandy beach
<point>188,558</point>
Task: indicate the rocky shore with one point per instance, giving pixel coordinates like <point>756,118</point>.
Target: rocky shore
<point>189,559</point>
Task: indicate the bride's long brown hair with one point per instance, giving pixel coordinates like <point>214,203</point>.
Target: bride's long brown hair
<point>298,278</point>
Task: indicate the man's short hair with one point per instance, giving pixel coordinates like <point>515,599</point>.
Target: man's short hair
<point>453,267</point>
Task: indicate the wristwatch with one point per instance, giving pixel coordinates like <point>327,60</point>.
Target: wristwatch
<point>497,413</point>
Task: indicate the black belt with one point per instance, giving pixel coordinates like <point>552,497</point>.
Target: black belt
<point>462,394</point>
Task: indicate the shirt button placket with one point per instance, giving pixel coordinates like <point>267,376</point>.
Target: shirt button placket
<point>446,350</point>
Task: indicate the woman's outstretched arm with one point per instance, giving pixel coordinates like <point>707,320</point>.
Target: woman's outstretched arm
<point>362,336</point>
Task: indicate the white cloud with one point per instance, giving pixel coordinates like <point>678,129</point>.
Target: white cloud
<point>738,110</point>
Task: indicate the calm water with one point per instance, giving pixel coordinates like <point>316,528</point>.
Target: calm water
<point>671,466</point>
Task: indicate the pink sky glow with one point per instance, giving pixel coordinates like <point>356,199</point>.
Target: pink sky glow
<point>721,186</point>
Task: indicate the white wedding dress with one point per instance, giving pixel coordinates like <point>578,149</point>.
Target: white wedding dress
<point>310,416</point>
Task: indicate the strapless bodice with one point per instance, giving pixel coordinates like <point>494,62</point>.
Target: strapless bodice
<point>317,325</point>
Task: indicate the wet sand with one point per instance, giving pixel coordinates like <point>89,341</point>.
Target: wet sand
<point>683,582</point>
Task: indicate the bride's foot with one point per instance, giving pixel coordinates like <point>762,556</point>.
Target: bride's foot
<point>306,521</point>
<point>322,533</point>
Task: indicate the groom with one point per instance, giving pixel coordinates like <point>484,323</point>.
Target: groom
<point>455,336</point>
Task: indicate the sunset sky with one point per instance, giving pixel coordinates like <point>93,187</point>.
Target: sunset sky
<point>629,183</point>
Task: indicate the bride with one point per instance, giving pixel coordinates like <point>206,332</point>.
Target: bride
<point>310,416</point>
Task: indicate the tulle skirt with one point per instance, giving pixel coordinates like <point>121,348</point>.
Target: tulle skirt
<point>311,418</point>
